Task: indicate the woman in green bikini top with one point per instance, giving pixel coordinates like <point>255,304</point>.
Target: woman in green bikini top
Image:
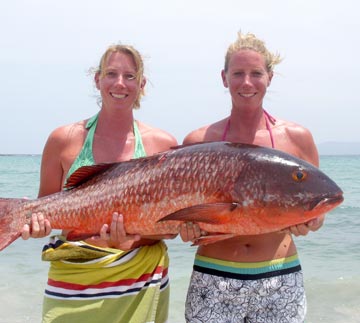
<point>120,277</point>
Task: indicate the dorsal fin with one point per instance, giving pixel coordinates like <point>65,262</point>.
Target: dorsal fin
<point>189,145</point>
<point>84,173</point>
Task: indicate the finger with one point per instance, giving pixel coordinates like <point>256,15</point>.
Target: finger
<point>185,229</point>
<point>104,232</point>
<point>196,231</point>
<point>122,235</point>
<point>41,221</point>
<point>314,224</point>
<point>120,225</point>
<point>117,231</point>
<point>35,226</point>
<point>47,227</point>
<point>134,237</point>
<point>25,232</point>
<point>113,227</point>
<point>303,229</point>
<point>183,232</point>
<point>299,230</point>
<point>190,230</point>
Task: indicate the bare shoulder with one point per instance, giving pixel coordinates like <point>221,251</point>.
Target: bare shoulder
<point>292,129</point>
<point>62,145</point>
<point>65,134</point>
<point>154,139</point>
<point>197,135</point>
<point>211,132</point>
<point>297,140</point>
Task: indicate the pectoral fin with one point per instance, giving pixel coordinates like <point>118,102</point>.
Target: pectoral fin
<point>212,213</point>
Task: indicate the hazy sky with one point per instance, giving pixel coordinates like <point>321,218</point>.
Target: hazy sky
<point>48,46</point>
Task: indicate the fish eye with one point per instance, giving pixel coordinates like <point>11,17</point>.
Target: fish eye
<point>299,175</point>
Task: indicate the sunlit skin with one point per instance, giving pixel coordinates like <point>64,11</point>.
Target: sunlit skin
<point>113,141</point>
<point>118,85</point>
<point>247,79</point>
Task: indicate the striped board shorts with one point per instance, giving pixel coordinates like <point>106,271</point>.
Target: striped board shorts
<point>91,284</point>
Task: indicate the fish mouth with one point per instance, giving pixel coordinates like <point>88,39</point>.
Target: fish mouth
<point>323,201</point>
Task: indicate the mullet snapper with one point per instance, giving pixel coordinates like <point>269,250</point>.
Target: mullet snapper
<point>229,189</point>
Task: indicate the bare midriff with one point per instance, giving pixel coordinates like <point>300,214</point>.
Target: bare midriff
<point>251,248</point>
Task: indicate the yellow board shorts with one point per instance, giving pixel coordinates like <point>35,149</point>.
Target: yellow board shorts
<point>91,284</point>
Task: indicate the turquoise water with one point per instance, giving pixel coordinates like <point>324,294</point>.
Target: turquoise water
<point>330,257</point>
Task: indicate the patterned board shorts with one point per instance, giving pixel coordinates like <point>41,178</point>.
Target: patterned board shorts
<point>217,298</point>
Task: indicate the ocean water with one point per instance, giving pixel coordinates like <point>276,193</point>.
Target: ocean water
<point>330,257</point>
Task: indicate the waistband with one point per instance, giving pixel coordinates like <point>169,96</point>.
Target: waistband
<point>247,270</point>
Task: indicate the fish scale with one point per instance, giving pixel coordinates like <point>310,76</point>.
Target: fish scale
<point>228,189</point>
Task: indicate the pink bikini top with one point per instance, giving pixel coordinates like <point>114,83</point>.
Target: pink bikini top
<point>268,119</point>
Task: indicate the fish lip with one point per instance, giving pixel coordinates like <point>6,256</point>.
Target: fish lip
<point>330,199</point>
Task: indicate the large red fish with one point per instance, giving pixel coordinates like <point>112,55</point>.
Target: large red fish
<point>228,189</point>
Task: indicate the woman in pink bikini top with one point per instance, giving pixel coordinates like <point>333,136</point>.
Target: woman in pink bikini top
<point>250,274</point>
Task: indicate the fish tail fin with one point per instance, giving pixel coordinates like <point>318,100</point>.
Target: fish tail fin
<point>10,225</point>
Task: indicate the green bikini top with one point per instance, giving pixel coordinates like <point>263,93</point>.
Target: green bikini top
<point>86,158</point>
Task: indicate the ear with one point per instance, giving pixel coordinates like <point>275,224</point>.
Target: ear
<point>97,80</point>
<point>223,76</point>
<point>143,83</point>
<point>271,74</point>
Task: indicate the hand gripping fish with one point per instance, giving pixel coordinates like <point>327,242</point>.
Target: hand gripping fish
<point>229,189</point>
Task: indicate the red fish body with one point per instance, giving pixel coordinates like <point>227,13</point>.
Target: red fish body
<point>228,189</point>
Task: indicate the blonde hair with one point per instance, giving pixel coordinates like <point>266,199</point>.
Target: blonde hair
<point>137,58</point>
<point>251,42</point>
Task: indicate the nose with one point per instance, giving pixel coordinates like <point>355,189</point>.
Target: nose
<point>247,80</point>
<point>121,80</point>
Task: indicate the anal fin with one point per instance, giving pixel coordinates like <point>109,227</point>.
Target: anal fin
<point>75,235</point>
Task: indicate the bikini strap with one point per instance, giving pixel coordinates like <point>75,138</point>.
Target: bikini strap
<point>268,119</point>
<point>226,130</point>
<point>85,156</point>
<point>139,150</point>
